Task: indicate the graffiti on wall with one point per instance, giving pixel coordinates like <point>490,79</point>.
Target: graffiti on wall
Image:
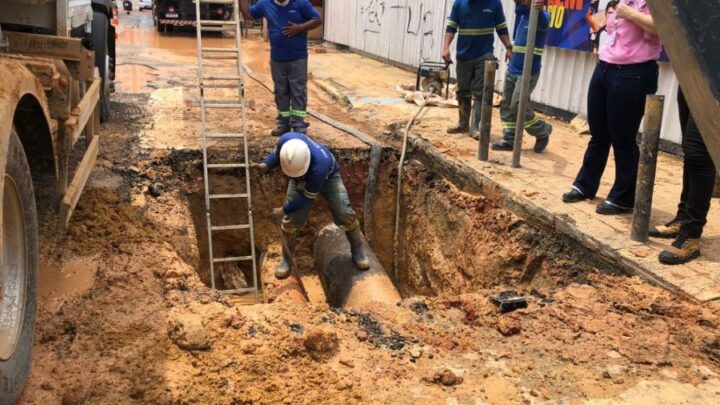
<point>381,17</point>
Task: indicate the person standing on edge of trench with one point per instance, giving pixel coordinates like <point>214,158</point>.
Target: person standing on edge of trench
<point>288,24</point>
<point>313,171</point>
<point>475,22</point>
<point>625,74</point>
<point>541,130</point>
<point>698,185</point>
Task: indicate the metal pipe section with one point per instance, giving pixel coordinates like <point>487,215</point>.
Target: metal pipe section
<point>525,86</point>
<point>344,284</point>
<point>647,169</point>
<point>486,112</point>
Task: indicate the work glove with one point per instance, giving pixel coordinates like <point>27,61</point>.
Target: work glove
<point>259,168</point>
<point>276,215</point>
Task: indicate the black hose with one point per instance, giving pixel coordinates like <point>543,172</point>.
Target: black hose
<point>373,166</point>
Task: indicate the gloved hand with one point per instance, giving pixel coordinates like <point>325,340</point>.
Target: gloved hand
<point>276,215</point>
<point>259,168</point>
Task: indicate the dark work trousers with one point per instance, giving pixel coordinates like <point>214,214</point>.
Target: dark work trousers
<point>698,176</point>
<point>616,105</point>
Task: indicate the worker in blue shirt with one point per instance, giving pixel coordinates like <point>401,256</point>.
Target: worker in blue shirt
<point>511,90</point>
<point>288,24</point>
<point>313,171</point>
<point>475,23</point>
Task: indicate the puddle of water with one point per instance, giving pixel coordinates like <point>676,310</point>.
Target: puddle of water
<point>134,78</point>
<point>62,280</point>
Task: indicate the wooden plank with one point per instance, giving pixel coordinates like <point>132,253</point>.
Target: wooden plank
<point>82,113</point>
<point>45,45</point>
<point>694,59</point>
<point>78,182</point>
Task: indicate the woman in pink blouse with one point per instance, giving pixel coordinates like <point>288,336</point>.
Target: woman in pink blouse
<point>626,73</point>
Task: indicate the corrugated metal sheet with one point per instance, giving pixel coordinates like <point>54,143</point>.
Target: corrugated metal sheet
<point>397,30</point>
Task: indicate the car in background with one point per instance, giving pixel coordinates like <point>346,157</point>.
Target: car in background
<point>168,14</point>
<point>145,5</point>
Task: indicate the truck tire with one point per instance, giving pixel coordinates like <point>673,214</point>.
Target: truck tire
<point>102,61</point>
<point>18,274</point>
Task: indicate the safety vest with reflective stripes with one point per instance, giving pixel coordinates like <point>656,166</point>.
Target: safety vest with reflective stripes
<point>521,33</point>
<point>475,22</point>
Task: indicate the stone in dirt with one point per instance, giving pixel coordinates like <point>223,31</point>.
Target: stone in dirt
<point>188,332</point>
<point>446,378</point>
<point>321,343</point>
<point>509,325</point>
<point>361,335</point>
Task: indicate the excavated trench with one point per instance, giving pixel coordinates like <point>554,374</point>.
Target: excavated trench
<point>450,241</point>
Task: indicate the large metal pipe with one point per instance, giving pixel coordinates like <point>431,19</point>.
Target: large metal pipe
<point>344,284</point>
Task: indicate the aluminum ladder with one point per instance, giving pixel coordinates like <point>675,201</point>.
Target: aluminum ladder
<point>214,77</point>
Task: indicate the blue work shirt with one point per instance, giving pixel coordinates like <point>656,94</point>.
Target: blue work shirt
<point>322,166</point>
<point>521,34</point>
<point>282,47</point>
<point>475,22</point>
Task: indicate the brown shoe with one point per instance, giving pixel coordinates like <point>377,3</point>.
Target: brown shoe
<point>669,230</point>
<point>681,251</point>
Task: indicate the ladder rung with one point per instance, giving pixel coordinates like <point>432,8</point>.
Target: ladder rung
<point>217,29</point>
<point>230,57</point>
<point>213,104</point>
<point>220,86</point>
<point>237,291</point>
<point>217,22</point>
<point>222,78</point>
<point>219,49</point>
<point>232,259</point>
<point>217,135</point>
<point>225,165</point>
<point>226,196</point>
<point>229,227</point>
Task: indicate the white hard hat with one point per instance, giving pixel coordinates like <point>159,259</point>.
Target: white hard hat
<point>295,158</point>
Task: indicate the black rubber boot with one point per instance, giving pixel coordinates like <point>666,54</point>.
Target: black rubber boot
<point>475,119</point>
<point>356,248</point>
<point>280,130</point>
<point>283,270</point>
<point>463,124</point>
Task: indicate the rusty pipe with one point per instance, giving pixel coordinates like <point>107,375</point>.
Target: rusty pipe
<point>344,284</point>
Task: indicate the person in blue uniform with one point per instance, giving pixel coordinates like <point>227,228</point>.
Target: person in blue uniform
<point>288,24</point>
<point>511,90</point>
<point>475,23</point>
<point>313,172</point>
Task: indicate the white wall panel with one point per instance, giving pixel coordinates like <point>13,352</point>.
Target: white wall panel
<point>396,30</point>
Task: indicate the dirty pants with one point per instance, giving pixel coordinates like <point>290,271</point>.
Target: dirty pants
<point>509,109</point>
<point>470,81</point>
<point>616,105</point>
<point>290,79</point>
<point>338,201</point>
<point>698,176</point>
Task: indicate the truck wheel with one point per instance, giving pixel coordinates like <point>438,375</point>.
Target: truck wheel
<point>102,61</point>
<point>17,273</point>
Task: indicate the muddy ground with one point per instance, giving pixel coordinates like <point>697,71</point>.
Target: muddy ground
<point>126,315</point>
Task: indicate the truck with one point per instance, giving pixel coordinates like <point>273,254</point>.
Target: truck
<point>168,14</point>
<point>57,61</point>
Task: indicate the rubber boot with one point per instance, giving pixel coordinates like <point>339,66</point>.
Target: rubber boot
<point>463,124</point>
<point>475,119</point>
<point>356,248</point>
<point>283,270</point>
<point>280,130</point>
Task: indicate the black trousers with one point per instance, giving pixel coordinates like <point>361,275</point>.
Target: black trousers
<point>698,176</point>
<point>616,105</point>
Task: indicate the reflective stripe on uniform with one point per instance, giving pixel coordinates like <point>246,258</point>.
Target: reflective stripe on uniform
<point>501,26</point>
<point>284,114</point>
<point>310,195</point>
<point>476,31</point>
<point>452,24</point>
<point>522,49</point>
<point>298,113</point>
<point>513,124</point>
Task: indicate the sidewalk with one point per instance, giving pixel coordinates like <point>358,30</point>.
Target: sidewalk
<point>539,184</point>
